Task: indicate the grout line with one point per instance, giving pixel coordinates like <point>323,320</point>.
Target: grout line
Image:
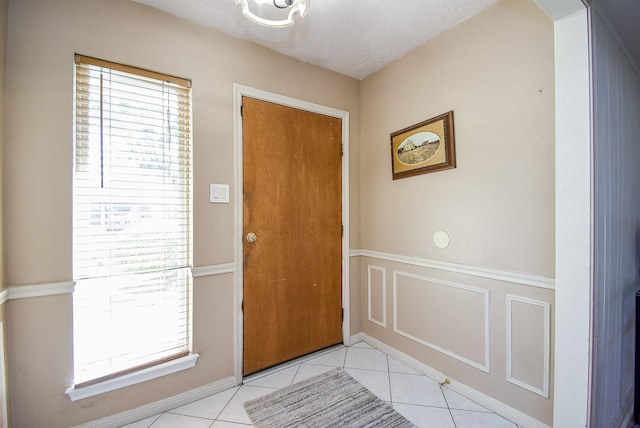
<point>227,403</point>
<point>448,406</point>
<point>364,370</point>
<point>155,420</point>
<point>307,358</point>
<point>389,380</point>
<point>190,416</point>
<point>295,375</point>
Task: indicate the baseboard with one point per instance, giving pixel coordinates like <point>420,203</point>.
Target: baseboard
<point>358,337</point>
<point>522,419</point>
<point>161,406</point>
<point>148,410</point>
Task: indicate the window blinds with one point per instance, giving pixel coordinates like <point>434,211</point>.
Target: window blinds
<point>132,224</point>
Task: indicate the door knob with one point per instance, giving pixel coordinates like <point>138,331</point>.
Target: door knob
<point>251,237</point>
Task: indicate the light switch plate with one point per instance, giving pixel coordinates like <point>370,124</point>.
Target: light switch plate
<point>219,193</point>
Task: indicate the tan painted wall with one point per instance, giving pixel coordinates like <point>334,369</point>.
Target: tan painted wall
<point>43,36</point>
<point>497,205</point>
<point>496,72</point>
<point>4,391</point>
<point>4,12</point>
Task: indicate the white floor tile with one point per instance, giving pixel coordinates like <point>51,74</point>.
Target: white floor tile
<point>223,424</point>
<point>278,379</point>
<point>368,359</point>
<point>458,402</point>
<point>414,389</point>
<point>426,417</point>
<point>169,420</point>
<point>145,423</point>
<point>374,381</point>
<point>209,407</point>
<point>420,399</point>
<point>362,345</point>
<point>396,366</point>
<point>466,419</point>
<point>234,411</point>
<point>310,370</point>
<point>333,358</point>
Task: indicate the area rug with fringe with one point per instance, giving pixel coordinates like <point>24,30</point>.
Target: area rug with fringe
<point>332,399</point>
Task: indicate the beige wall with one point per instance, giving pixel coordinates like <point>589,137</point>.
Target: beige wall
<point>43,36</point>
<point>4,11</point>
<point>496,72</point>
<point>4,392</point>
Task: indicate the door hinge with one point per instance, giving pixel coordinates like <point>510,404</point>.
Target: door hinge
<point>242,306</point>
<point>342,314</point>
<point>341,149</point>
<point>241,110</point>
<point>342,230</point>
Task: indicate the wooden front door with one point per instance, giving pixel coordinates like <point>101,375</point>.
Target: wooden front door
<point>292,210</point>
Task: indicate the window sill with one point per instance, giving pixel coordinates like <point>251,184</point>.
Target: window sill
<point>143,375</point>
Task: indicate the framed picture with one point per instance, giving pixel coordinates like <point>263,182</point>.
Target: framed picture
<point>424,147</point>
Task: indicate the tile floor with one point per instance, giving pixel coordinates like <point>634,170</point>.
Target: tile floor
<point>420,399</point>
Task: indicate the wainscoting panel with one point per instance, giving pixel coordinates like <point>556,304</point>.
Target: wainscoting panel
<point>4,405</point>
<point>422,311</point>
<point>528,343</point>
<point>488,329</point>
<point>377,295</point>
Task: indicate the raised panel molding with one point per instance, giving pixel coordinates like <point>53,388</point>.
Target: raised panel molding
<point>546,325</point>
<point>4,402</point>
<point>383,273</point>
<point>497,274</point>
<point>485,366</point>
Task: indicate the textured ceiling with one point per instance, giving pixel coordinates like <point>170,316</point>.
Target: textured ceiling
<point>352,37</point>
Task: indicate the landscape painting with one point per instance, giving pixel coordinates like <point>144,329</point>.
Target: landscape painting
<point>425,147</point>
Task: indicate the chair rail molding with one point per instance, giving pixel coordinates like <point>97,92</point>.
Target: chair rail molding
<point>198,272</point>
<point>490,273</point>
<point>13,292</point>
<point>40,290</point>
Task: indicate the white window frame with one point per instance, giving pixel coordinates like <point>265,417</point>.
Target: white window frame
<point>181,361</point>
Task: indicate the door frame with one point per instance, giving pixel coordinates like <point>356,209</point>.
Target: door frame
<point>238,92</point>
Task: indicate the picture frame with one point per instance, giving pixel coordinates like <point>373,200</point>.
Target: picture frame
<point>425,147</point>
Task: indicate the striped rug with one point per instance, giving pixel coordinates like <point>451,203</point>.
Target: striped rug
<point>332,399</point>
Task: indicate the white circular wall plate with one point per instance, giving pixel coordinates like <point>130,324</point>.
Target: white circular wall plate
<point>441,239</point>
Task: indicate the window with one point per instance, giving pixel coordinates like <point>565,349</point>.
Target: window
<point>132,219</point>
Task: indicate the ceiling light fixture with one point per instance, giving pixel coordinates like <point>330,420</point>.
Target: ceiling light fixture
<point>300,7</point>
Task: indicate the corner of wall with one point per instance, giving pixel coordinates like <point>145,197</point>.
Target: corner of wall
<point>4,13</point>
